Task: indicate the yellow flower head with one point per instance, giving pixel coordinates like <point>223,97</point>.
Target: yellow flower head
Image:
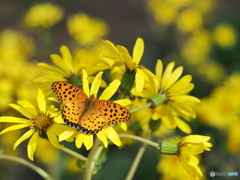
<point>43,15</point>
<point>85,29</point>
<point>107,132</point>
<point>69,68</point>
<point>127,64</point>
<point>225,36</point>
<point>189,147</point>
<point>43,122</point>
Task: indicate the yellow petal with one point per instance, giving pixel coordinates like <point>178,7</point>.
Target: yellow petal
<point>32,145</point>
<point>112,135</point>
<point>15,127</point>
<point>139,79</point>
<point>123,102</point>
<point>195,139</point>
<point>167,74</point>
<point>138,50</point>
<point>123,126</point>
<point>51,68</point>
<point>183,126</point>
<point>88,141</point>
<point>159,70</point>
<point>23,111</point>
<point>110,90</point>
<point>25,136</point>
<point>28,106</point>
<point>67,58</point>
<point>41,101</point>
<point>79,140</point>
<point>58,61</point>
<point>66,134</point>
<point>85,82</point>
<point>10,119</point>
<point>173,77</point>
<point>96,84</point>
<point>53,139</point>
<point>101,135</point>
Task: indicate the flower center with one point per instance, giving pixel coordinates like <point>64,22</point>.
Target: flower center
<point>42,122</point>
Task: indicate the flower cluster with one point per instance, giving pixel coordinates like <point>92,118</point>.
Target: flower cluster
<point>162,96</point>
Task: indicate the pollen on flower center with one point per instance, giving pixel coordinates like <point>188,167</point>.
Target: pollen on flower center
<point>42,122</point>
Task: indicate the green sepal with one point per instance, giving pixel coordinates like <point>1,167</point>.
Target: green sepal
<point>157,99</point>
<point>76,81</point>
<point>170,148</point>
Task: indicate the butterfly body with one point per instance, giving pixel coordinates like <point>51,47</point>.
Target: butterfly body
<point>85,113</point>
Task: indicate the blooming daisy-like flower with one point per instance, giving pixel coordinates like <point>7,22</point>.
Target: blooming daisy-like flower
<point>169,98</point>
<point>189,147</point>
<point>43,122</point>
<point>69,68</point>
<point>128,65</point>
<point>107,132</point>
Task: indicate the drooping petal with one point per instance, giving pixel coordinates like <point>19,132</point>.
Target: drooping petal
<point>88,141</point>
<point>67,134</point>
<point>79,140</point>
<point>15,127</point>
<point>112,135</point>
<point>32,145</point>
<point>139,79</point>
<point>41,101</point>
<point>138,50</point>
<point>195,139</point>
<point>85,82</point>
<point>101,135</point>
<point>53,139</point>
<point>183,126</point>
<point>110,90</point>
<point>96,84</point>
<point>123,126</point>
<point>25,136</point>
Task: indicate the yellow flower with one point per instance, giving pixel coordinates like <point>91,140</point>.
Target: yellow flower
<point>169,98</point>
<point>189,20</point>
<point>122,60</point>
<point>43,122</point>
<point>224,35</point>
<point>44,15</point>
<point>189,147</point>
<point>69,68</point>
<point>85,29</point>
<point>108,131</point>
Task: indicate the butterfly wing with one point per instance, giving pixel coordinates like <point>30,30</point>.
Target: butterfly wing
<point>112,112</point>
<point>68,93</point>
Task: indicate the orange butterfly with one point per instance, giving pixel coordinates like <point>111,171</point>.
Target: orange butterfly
<point>85,113</point>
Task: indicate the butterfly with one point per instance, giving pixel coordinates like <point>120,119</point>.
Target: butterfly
<point>85,113</point>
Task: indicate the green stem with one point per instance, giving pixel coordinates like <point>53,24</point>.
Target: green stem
<point>73,153</point>
<point>136,163</point>
<point>92,157</point>
<point>37,169</point>
<point>140,108</point>
<point>146,141</point>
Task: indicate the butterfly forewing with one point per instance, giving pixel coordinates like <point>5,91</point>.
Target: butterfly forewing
<point>112,112</point>
<point>68,93</point>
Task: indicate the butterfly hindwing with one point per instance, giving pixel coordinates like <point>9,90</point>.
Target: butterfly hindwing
<point>112,112</point>
<point>67,93</point>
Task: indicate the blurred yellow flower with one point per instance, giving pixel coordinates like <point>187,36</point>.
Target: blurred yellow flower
<point>85,29</point>
<point>43,122</point>
<point>43,15</point>
<point>15,46</point>
<point>108,131</point>
<point>225,36</point>
<point>189,20</point>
